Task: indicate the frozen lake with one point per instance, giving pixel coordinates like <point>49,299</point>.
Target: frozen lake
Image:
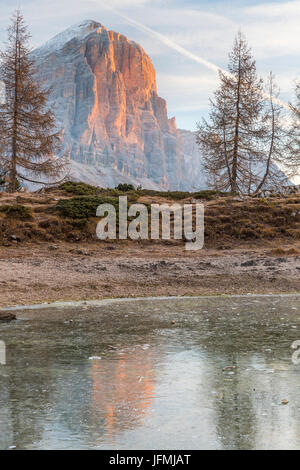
<point>188,373</point>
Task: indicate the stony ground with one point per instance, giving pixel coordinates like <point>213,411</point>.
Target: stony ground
<point>39,273</point>
<point>49,250</point>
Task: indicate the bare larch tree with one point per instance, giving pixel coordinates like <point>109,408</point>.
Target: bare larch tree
<point>29,141</point>
<point>243,137</point>
<point>273,143</point>
<point>294,134</point>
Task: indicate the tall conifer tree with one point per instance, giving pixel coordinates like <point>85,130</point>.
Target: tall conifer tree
<point>29,141</point>
<point>244,140</point>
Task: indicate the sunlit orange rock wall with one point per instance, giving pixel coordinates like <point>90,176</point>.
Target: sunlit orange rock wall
<point>105,95</point>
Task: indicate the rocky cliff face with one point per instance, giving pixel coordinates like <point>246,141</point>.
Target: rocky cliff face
<point>106,101</point>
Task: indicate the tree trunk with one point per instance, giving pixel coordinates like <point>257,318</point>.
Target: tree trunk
<point>234,187</point>
<point>13,172</point>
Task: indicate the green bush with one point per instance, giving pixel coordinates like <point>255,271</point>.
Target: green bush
<point>83,189</point>
<point>83,207</point>
<point>124,187</point>
<point>209,194</point>
<point>79,189</point>
<point>176,195</point>
<point>17,211</point>
<point>79,224</point>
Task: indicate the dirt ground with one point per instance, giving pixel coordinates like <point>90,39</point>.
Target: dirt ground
<point>44,273</point>
<point>49,250</point>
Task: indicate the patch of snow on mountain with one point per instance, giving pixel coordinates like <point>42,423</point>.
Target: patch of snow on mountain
<point>79,31</point>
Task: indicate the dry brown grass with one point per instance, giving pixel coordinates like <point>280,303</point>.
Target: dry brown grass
<point>253,219</point>
<point>228,221</point>
<point>279,251</point>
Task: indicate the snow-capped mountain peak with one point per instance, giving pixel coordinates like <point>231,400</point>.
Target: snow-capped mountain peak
<point>78,31</point>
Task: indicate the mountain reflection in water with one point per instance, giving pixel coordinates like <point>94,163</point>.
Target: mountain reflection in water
<point>122,389</point>
<point>207,373</point>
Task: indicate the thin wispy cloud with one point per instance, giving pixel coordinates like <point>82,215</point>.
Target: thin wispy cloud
<point>185,52</point>
<point>166,40</point>
<point>273,9</point>
<point>204,28</point>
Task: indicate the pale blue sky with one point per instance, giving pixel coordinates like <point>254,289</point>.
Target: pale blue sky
<point>205,28</point>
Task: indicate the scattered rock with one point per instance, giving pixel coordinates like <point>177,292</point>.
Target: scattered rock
<point>52,247</point>
<point>100,268</point>
<point>250,262</point>
<point>7,316</point>
<point>269,263</point>
<point>83,252</point>
<point>203,265</point>
<point>14,238</point>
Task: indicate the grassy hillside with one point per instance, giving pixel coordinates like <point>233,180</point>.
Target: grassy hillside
<point>68,214</point>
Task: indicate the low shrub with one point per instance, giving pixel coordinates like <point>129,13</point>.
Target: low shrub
<point>179,195</point>
<point>208,194</point>
<point>17,211</point>
<point>79,224</point>
<point>79,189</point>
<point>278,251</point>
<point>83,207</point>
<point>293,251</point>
<point>124,187</point>
<point>174,195</point>
<point>294,233</point>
